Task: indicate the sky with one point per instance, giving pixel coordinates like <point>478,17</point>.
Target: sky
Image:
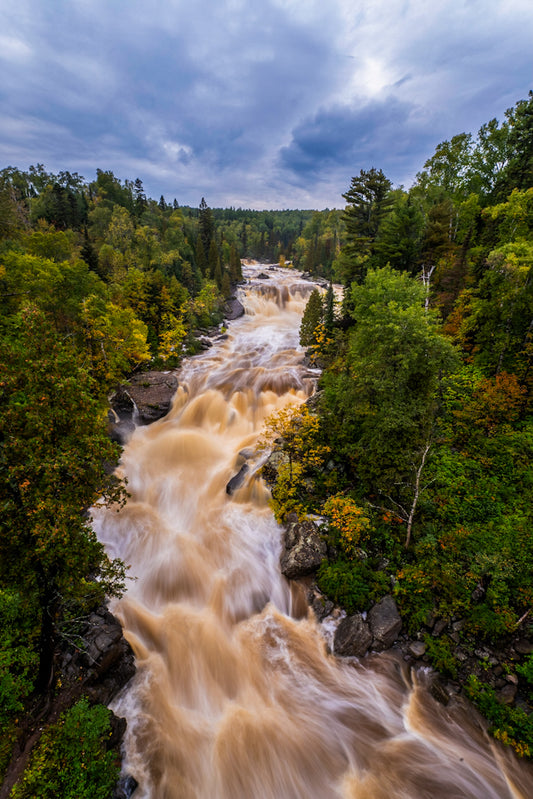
<point>253,103</point>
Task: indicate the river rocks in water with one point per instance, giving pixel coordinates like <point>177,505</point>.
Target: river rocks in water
<point>126,787</point>
<point>262,276</point>
<point>237,480</point>
<point>352,637</point>
<point>148,396</point>
<point>303,549</point>
<point>439,692</point>
<point>385,623</point>
<point>233,309</point>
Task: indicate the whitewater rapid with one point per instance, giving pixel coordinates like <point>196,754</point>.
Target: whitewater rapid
<point>236,695</point>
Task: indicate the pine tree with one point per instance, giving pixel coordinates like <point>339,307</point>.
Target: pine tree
<point>206,225</point>
<point>329,309</point>
<point>213,260</point>
<point>312,315</point>
<point>201,260</point>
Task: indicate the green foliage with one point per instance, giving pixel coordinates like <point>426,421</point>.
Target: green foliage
<point>71,759</point>
<point>510,725</point>
<point>17,659</point>
<point>439,652</point>
<point>53,449</point>
<point>353,584</point>
<point>313,314</point>
<point>384,400</point>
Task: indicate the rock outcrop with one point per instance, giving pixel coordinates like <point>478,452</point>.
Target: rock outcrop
<point>352,637</point>
<point>233,309</point>
<point>104,660</point>
<point>385,623</point>
<point>303,549</point>
<point>144,399</point>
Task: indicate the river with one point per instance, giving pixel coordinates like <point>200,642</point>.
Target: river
<point>236,696</point>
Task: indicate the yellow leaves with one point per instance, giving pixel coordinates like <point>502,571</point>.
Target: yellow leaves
<point>299,430</point>
<point>349,520</point>
<point>171,339</point>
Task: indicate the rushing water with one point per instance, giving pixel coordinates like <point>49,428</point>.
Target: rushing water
<point>236,696</point>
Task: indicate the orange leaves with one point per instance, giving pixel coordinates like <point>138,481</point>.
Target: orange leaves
<point>349,520</point>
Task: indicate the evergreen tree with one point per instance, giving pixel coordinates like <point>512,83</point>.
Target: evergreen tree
<point>139,201</point>
<point>213,260</point>
<point>312,316</point>
<point>329,309</point>
<point>206,225</point>
<point>89,254</point>
<point>201,260</point>
<point>368,203</point>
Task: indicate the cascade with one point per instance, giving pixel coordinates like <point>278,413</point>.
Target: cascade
<point>236,695</point>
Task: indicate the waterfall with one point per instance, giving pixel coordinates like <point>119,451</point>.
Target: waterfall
<point>236,696</point>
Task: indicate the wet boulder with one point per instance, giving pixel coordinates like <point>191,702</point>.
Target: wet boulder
<point>147,397</point>
<point>352,637</point>
<point>385,623</point>
<point>237,480</point>
<point>233,309</point>
<point>303,549</point>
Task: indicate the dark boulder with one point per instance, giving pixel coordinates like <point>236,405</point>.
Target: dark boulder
<point>385,623</point>
<point>147,397</point>
<point>237,480</point>
<point>233,309</point>
<point>126,787</point>
<point>352,637</point>
<point>303,549</point>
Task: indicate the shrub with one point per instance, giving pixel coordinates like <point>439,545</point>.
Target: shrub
<point>71,761</point>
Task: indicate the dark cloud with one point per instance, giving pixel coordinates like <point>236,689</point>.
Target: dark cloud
<point>380,134</point>
<point>253,102</point>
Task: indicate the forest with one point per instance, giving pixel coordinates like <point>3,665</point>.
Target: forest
<point>420,452</point>
<point>417,451</point>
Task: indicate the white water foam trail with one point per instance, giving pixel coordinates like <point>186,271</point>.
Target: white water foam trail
<point>235,695</point>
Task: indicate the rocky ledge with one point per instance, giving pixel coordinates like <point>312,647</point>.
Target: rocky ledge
<point>146,398</point>
<point>380,628</point>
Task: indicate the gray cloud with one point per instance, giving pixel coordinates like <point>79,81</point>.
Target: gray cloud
<point>253,102</point>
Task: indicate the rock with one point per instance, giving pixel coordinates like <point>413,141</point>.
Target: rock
<point>270,468</point>
<point>262,276</point>
<point>126,787</point>
<point>320,605</point>
<point>303,549</point>
<point>147,396</point>
<point>385,623</point>
<point>523,646</point>
<point>439,627</point>
<point>107,662</point>
<point>417,649</point>
<point>439,692</point>
<point>352,637</point>
<point>507,694</point>
<point>237,480</point>
<point>233,309</point>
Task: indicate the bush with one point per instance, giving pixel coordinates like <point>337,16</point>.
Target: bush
<point>510,725</point>
<point>71,760</point>
<point>354,585</point>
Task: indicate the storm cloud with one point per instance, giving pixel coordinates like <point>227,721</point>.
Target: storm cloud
<point>253,103</point>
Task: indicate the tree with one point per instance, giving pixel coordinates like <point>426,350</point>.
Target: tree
<point>380,409</point>
<point>368,203</point>
<point>400,236</point>
<point>206,225</point>
<point>213,261</point>
<point>53,450</point>
<point>311,318</point>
